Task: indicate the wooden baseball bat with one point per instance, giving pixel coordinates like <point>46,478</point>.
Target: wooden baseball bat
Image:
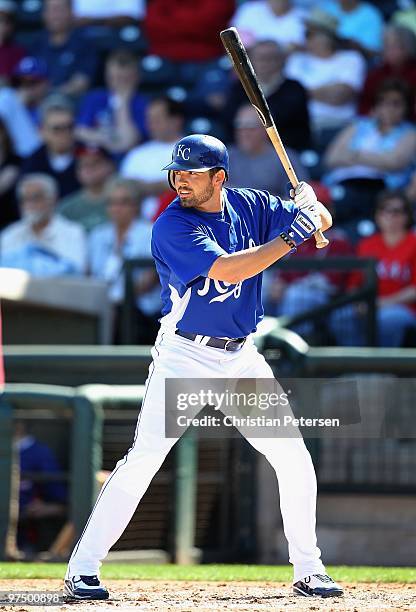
<point>241,62</point>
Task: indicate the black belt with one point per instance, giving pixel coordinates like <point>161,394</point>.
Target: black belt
<point>232,344</point>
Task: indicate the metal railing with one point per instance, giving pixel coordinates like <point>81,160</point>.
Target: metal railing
<point>366,293</point>
<point>85,444</point>
<point>85,406</point>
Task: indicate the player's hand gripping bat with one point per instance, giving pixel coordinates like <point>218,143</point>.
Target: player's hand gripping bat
<point>235,49</point>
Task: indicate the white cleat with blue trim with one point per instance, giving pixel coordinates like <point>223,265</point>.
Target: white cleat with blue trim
<point>84,587</point>
<point>317,585</point>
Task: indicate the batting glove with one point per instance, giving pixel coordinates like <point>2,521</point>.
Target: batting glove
<point>304,196</point>
<point>304,225</point>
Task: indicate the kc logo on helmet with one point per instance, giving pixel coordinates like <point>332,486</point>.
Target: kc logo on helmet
<point>184,152</point>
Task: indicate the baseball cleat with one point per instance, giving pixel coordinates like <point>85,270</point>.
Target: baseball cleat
<point>84,587</point>
<point>317,585</point>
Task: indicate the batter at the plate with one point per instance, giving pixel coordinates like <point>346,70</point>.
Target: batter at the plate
<point>211,246</point>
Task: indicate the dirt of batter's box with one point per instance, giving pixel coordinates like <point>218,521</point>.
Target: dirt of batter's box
<point>164,596</point>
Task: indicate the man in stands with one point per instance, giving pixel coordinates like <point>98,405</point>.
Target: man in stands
<point>56,156</point>
<point>253,160</point>
<point>114,116</point>
<point>70,59</point>
<point>94,167</point>
<point>43,243</point>
<point>286,97</point>
<point>165,120</point>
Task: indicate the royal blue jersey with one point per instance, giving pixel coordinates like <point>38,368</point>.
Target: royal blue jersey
<point>185,244</point>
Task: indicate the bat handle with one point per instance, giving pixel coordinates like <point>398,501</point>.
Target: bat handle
<point>273,134</point>
<point>321,241</point>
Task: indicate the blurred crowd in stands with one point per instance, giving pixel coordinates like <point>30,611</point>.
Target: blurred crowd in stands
<point>95,93</point>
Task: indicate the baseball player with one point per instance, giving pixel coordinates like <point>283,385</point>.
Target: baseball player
<point>211,246</point>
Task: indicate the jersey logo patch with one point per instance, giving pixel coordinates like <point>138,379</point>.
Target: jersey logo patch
<point>223,289</point>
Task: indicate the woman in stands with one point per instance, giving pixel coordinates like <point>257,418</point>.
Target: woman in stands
<point>373,152</point>
<point>394,248</point>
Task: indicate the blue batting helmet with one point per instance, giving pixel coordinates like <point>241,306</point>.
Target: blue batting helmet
<point>198,152</point>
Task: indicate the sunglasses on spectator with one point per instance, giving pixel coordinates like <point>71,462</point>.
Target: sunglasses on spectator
<point>62,127</point>
<point>393,211</point>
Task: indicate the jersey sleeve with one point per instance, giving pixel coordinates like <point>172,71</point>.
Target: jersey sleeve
<point>188,251</point>
<point>280,214</point>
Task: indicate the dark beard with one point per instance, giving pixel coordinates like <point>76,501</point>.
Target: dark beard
<point>195,202</point>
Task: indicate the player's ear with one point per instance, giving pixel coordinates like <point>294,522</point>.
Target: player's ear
<point>219,177</point>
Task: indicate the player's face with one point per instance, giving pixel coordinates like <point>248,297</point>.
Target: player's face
<point>193,188</point>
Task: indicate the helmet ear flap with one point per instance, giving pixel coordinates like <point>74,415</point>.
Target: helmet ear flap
<point>171,180</point>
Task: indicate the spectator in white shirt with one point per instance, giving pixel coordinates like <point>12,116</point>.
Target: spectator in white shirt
<point>270,20</point>
<point>108,12</point>
<point>42,242</point>
<point>124,237</point>
<point>165,119</point>
<point>332,77</point>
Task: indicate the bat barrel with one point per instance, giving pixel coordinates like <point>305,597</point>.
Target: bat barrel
<point>242,65</point>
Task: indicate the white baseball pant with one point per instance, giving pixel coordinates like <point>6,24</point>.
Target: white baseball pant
<point>177,357</point>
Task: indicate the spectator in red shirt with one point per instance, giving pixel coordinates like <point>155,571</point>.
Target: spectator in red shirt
<point>394,248</point>
<point>398,61</point>
<point>10,52</point>
<point>187,30</point>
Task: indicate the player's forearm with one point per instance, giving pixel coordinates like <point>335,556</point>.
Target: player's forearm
<point>244,264</point>
<point>239,266</point>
